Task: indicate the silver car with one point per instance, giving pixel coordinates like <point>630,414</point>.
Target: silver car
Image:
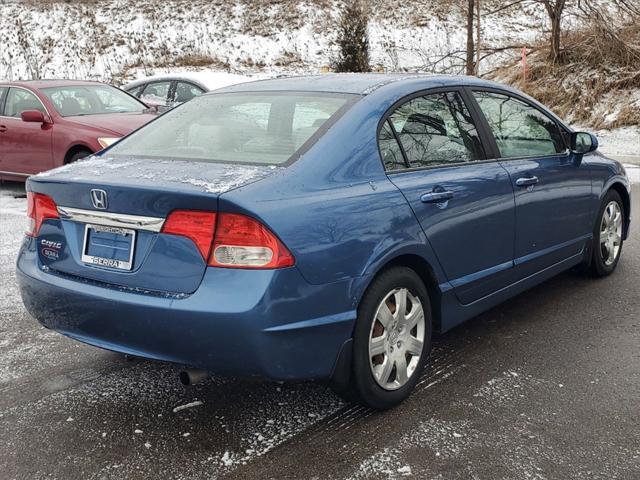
<point>169,90</point>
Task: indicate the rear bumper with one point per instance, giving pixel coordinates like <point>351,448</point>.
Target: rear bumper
<point>266,323</point>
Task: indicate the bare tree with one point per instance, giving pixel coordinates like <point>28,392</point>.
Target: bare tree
<point>555,8</point>
<point>478,42</point>
<point>470,62</point>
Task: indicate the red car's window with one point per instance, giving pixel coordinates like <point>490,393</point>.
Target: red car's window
<point>72,100</point>
<point>20,100</point>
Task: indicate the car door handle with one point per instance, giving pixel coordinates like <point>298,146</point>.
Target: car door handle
<point>437,197</point>
<point>526,181</point>
<point>3,128</point>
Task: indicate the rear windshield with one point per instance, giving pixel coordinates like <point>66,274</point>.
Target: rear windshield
<point>78,100</point>
<point>252,128</point>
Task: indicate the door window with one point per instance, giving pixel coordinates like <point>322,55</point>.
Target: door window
<point>186,91</point>
<point>3,92</point>
<point>19,100</point>
<point>156,93</point>
<point>520,129</point>
<point>434,129</point>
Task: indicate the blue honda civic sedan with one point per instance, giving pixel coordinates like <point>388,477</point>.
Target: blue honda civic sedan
<point>319,227</point>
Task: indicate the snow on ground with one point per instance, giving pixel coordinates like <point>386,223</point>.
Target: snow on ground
<point>620,142</point>
<point>163,415</point>
<point>13,209</point>
<point>633,172</point>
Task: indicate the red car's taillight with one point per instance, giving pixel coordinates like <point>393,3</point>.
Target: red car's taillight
<point>243,242</point>
<point>229,240</point>
<point>197,225</point>
<point>39,208</point>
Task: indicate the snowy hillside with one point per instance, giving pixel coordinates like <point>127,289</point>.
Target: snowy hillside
<point>112,40</point>
<point>118,41</point>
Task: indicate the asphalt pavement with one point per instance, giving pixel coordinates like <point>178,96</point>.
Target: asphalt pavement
<point>545,386</point>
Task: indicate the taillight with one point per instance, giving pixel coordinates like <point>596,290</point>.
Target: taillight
<point>229,240</point>
<point>196,225</point>
<point>39,208</point>
<point>243,242</point>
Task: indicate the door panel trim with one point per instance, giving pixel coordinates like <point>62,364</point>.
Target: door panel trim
<point>487,272</point>
<point>546,251</point>
<point>4,172</point>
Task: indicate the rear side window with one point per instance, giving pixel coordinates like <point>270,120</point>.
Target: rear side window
<point>520,129</point>
<point>435,129</point>
<point>392,157</point>
<point>250,128</point>
<point>19,100</point>
<point>186,91</point>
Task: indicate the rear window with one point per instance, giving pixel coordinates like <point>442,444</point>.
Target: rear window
<point>253,128</point>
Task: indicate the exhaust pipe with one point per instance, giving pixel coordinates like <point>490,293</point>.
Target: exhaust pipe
<point>191,377</point>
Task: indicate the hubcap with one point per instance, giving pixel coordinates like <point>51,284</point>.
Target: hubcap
<point>396,339</point>
<point>611,233</point>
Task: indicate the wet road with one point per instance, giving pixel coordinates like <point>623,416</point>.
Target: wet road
<point>546,386</point>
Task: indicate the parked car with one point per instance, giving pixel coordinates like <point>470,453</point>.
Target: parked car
<point>173,89</point>
<point>49,123</point>
<point>318,227</point>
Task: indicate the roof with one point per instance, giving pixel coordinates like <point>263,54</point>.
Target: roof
<point>210,80</point>
<point>49,83</point>
<point>353,83</point>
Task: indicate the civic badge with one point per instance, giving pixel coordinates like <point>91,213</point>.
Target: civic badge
<point>99,199</point>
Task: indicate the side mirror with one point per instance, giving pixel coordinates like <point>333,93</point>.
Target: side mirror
<point>33,116</point>
<point>583,142</point>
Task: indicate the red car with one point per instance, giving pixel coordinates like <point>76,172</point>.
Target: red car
<point>48,123</point>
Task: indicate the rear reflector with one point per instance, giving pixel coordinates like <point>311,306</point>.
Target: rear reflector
<point>197,225</point>
<point>39,208</point>
<point>243,242</point>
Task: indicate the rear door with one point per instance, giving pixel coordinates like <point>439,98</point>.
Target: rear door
<point>3,93</point>
<point>552,187</point>
<point>26,147</point>
<point>433,153</point>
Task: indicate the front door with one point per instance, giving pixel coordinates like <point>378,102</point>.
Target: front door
<point>26,147</point>
<point>463,202</point>
<point>552,188</point>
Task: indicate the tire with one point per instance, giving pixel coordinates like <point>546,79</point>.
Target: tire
<point>377,380</point>
<point>78,155</point>
<point>608,235</point>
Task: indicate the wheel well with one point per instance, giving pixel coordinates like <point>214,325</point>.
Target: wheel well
<point>425,272</point>
<point>626,203</point>
<point>73,150</point>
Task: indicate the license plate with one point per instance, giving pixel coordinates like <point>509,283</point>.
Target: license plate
<point>110,247</point>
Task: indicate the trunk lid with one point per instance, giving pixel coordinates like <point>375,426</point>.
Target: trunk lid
<point>122,243</point>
